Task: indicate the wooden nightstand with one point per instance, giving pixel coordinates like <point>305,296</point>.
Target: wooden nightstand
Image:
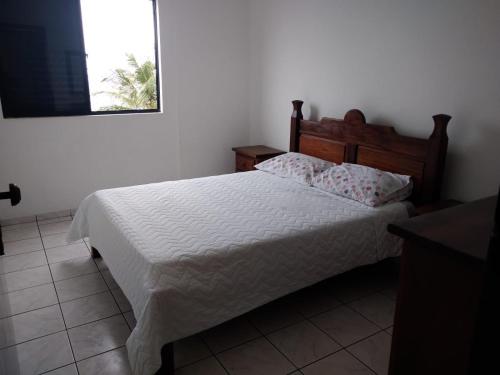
<point>247,157</point>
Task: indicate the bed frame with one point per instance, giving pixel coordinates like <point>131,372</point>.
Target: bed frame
<point>352,140</point>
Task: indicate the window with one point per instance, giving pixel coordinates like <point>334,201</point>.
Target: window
<point>78,57</point>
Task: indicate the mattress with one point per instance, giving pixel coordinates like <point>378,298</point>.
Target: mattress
<point>192,254</point>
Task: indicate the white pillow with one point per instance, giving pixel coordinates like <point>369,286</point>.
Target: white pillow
<point>299,167</point>
<point>364,184</point>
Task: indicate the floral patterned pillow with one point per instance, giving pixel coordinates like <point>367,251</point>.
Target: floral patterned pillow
<point>299,167</point>
<point>366,185</point>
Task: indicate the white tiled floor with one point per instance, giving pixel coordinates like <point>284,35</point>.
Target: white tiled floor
<point>62,313</point>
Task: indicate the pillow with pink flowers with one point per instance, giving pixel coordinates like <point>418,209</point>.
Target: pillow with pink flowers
<point>299,167</point>
<point>364,184</point>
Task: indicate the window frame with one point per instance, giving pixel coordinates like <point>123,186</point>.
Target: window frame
<point>158,109</point>
<point>157,69</point>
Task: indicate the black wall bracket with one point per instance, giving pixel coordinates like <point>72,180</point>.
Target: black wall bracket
<point>14,194</point>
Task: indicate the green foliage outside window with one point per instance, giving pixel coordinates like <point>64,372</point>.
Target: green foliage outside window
<point>133,88</point>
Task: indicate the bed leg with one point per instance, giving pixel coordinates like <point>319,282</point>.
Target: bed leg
<point>94,253</point>
<point>167,360</point>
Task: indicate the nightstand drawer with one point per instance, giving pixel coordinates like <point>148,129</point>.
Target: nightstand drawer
<point>244,163</point>
<point>248,156</point>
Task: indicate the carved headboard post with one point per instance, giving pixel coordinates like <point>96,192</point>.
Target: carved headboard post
<point>297,117</point>
<point>436,157</point>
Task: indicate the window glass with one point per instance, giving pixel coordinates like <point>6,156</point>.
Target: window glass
<point>120,44</point>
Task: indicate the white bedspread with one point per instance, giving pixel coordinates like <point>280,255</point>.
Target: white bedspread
<point>192,254</point>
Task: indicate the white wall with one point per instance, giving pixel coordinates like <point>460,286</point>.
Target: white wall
<point>58,161</point>
<point>400,61</point>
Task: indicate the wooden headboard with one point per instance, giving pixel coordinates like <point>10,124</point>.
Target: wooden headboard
<point>352,140</point>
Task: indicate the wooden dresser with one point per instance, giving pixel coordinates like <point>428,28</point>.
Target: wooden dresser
<point>248,156</point>
<point>442,291</point>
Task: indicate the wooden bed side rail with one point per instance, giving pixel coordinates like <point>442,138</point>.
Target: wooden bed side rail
<point>353,140</point>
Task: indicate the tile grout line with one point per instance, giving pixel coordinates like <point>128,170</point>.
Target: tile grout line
<point>331,338</point>
<point>55,220</point>
<point>119,309</point>
<point>10,241</point>
<point>116,301</point>
<point>111,291</point>
<point>88,295</point>
<point>33,339</point>
<point>348,305</point>
<point>24,252</point>
<point>60,367</point>
<point>198,360</point>
<point>361,361</point>
<point>53,282</point>
<point>371,321</point>
<point>11,225</point>
<point>27,268</point>
<point>76,277</point>
<point>94,321</point>
<point>214,354</point>
<point>355,342</point>
<point>211,352</point>
<point>34,286</point>
<point>344,347</point>
<point>29,311</point>
<point>63,330</point>
<point>97,355</point>
<point>59,302</point>
<point>66,329</point>
<point>240,344</point>
<point>36,251</point>
<point>272,344</point>
<point>59,246</point>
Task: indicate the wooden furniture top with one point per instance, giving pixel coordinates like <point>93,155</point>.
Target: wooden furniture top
<point>464,229</point>
<point>255,152</point>
<point>353,140</point>
<point>436,206</point>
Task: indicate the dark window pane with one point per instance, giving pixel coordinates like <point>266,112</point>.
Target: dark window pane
<point>42,59</point>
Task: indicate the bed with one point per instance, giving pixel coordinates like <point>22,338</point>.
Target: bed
<point>192,254</point>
